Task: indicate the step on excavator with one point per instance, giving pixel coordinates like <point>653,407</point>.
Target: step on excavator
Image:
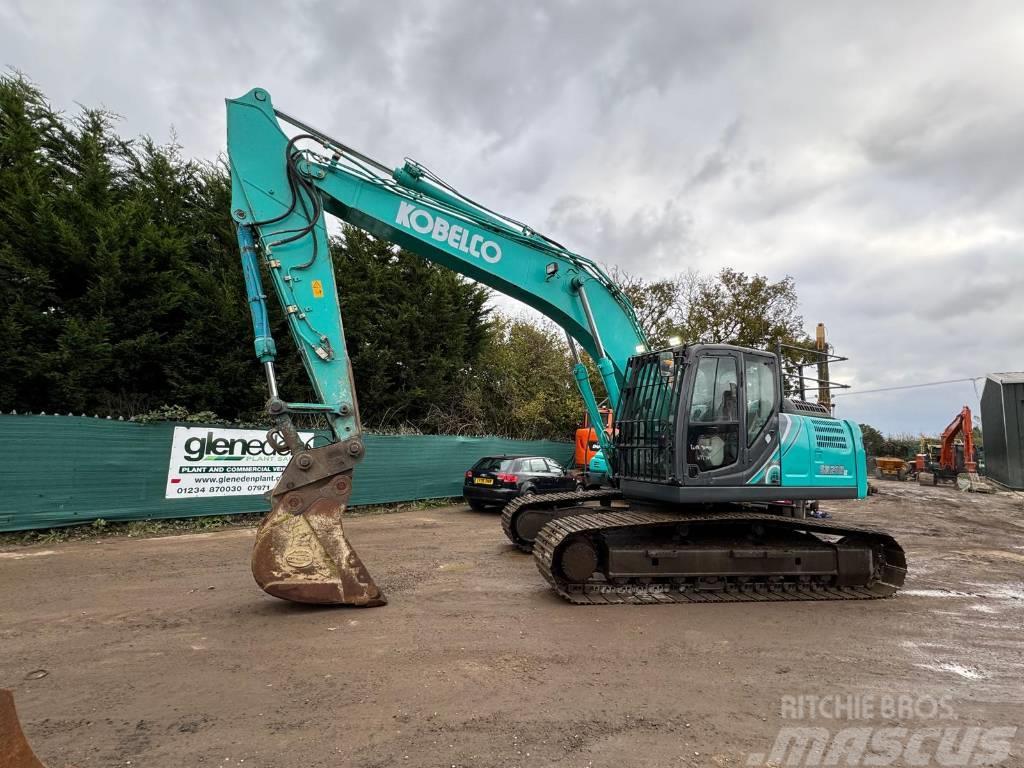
<point>711,465</point>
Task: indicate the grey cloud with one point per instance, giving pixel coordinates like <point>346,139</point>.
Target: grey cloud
<point>951,145</point>
<point>718,160</point>
<point>520,58</point>
<point>657,238</point>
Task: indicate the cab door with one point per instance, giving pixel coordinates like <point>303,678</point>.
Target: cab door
<point>730,424</point>
<point>761,419</point>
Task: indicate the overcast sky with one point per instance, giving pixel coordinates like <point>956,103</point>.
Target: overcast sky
<point>868,149</point>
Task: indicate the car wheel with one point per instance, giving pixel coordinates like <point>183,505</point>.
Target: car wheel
<point>528,491</point>
<point>580,487</point>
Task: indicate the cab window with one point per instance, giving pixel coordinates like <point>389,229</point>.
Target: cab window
<point>760,383</point>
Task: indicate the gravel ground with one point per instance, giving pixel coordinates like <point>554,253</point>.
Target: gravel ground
<point>162,652</point>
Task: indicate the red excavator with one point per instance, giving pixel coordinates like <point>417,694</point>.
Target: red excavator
<point>593,473</point>
<point>587,440</point>
<point>953,456</point>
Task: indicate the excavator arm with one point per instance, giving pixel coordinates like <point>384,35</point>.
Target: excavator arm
<point>282,186</point>
<point>961,425</point>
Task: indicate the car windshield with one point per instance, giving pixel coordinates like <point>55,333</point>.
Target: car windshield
<point>494,464</point>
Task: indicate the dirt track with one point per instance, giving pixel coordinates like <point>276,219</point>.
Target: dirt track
<point>162,652</point>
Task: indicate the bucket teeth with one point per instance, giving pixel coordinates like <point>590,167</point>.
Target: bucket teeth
<point>305,556</point>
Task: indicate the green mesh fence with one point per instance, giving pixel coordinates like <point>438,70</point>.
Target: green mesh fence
<point>63,470</point>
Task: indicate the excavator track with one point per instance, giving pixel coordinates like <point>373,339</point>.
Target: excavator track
<point>868,564</point>
<point>521,531</point>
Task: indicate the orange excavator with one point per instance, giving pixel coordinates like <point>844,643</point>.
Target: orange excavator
<point>587,440</point>
<point>953,456</point>
<point>588,457</point>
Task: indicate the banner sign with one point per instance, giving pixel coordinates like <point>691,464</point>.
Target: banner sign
<point>216,461</point>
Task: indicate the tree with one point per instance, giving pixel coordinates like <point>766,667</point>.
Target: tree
<point>730,307</point>
<point>119,284</point>
<point>656,302</point>
<point>522,385</point>
<point>213,363</point>
<point>29,134</point>
<point>873,440</point>
<point>414,330</point>
<point>735,308</point>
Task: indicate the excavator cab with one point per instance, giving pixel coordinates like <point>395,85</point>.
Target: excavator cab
<point>708,422</point>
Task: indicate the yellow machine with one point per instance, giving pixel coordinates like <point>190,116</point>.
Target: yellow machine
<point>890,466</point>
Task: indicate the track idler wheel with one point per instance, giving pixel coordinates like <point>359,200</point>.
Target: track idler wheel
<point>302,553</point>
<point>578,560</point>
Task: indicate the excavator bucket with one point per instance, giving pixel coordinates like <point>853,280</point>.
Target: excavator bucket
<point>302,553</point>
<point>15,751</point>
<point>306,558</point>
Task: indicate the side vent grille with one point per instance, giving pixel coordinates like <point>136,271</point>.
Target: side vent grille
<point>830,434</point>
<point>806,407</point>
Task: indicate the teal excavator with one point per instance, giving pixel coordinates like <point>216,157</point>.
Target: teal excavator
<point>711,464</point>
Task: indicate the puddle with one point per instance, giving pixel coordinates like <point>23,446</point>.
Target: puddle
<point>934,593</point>
<point>968,673</point>
<point>991,592</point>
<point>926,653</point>
<point>456,567</point>
<point>999,591</point>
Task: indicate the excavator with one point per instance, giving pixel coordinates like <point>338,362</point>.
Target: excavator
<point>711,465</point>
<point>953,459</point>
<point>587,455</point>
